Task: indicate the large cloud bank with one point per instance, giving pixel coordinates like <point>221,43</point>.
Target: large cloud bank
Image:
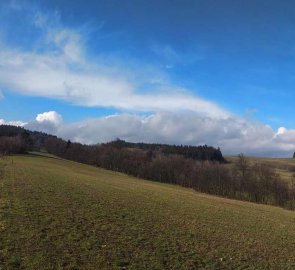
<point>58,67</point>
<point>233,134</point>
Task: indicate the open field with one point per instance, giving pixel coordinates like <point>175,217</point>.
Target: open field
<point>285,167</point>
<point>57,214</point>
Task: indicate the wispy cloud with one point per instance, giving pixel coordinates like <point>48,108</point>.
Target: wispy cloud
<point>173,57</point>
<point>15,5</point>
<point>63,70</point>
<point>59,66</point>
<point>13,123</point>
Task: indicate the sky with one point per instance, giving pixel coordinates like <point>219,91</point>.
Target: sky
<point>180,71</point>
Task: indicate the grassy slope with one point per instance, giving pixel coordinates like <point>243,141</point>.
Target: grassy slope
<point>57,214</point>
<point>285,167</point>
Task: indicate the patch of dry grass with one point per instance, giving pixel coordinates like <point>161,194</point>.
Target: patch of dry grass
<point>57,214</point>
<point>285,167</point>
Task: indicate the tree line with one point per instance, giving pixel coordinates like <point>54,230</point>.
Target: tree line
<point>201,152</point>
<point>242,180</point>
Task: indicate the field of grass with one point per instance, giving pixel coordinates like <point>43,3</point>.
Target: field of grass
<point>285,167</point>
<point>57,214</point>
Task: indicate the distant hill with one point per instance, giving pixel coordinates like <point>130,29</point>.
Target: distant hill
<point>37,140</point>
<point>202,168</point>
<point>34,139</point>
<point>201,152</point>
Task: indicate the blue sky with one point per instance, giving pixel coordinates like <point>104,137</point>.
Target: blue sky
<point>88,60</point>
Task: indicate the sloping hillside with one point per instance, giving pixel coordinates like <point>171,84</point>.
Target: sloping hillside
<point>58,214</point>
<point>285,167</point>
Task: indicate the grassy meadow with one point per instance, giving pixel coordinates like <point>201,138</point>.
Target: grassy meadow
<point>285,167</point>
<point>58,214</point>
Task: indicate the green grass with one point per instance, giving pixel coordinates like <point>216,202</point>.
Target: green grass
<point>285,167</point>
<point>57,214</point>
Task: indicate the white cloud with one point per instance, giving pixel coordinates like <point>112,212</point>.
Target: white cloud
<point>281,131</point>
<point>47,122</point>
<point>13,123</point>
<point>61,70</point>
<point>40,20</point>
<point>233,134</point>
<point>1,94</point>
<point>172,57</point>
<point>52,117</point>
<point>68,41</point>
<point>51,75</point>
